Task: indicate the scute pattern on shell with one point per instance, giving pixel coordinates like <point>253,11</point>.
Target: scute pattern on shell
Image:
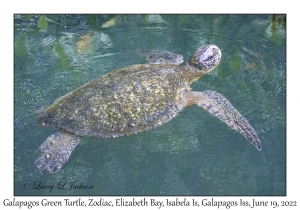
<point>121,102</point>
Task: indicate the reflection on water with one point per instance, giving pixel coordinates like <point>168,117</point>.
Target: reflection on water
<point>193,154</point>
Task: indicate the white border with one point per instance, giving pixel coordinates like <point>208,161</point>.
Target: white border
<point>154,6</point>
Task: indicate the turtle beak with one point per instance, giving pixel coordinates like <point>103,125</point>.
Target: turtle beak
<point>206,58</point>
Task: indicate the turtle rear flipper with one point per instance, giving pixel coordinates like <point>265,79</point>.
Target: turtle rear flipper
<point>55,151</point>
<point>219,106</point>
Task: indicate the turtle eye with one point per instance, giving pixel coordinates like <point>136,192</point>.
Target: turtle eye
<point>209,58</point>
<point>206,56</point>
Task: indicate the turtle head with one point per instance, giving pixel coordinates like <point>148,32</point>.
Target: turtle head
<point>206,58</point>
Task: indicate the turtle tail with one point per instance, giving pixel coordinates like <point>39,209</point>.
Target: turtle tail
<point>42,117</point>
<point>55,152</point>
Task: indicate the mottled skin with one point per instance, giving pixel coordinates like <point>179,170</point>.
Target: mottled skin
<point>131,100</point>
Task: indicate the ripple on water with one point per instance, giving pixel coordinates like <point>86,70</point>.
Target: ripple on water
<point>30,95</point>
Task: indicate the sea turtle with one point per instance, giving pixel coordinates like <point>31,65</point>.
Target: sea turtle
<point>130,100</point>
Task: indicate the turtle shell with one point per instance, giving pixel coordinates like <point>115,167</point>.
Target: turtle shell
<point>122,102</point>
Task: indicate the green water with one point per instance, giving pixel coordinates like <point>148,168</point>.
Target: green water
<point>193,154</point>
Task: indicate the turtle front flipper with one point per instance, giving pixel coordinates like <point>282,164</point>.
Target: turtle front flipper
<point>160,57</point>
<point>55,152</point>
<point>219,106</point>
